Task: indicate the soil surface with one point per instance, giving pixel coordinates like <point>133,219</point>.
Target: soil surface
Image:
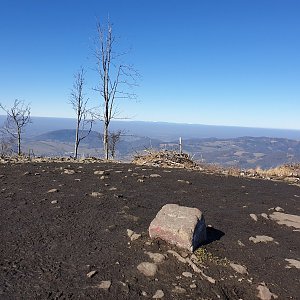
<point>64,234</point>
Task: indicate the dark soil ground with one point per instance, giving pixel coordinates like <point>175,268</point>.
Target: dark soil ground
<point>50,241</point>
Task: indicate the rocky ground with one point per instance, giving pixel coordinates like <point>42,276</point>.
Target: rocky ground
<point>79,231</point>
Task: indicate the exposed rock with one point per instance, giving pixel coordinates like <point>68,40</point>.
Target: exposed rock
<point>69,171</point>
<point>104,284</point>
<point>179,225</point>
<point>264,293</point>
<point>99,172</point>
<point>178,256</point>
<point>187,274</point>
<point>179,290</point>
<point>156,257</point>
<point>293,263</point>
<point>278,208</point>
<point>155,175</point>
<point>264,215</point>
<point>286,219</point>
<point>158,294</point>
<point>132,235</point>
<point>148,269</point>
<point>53,191</point>
<point>96,194</point>
<point>91,274</point>
<point>254,217</point>
<point>261,239</point>
<point>238,268</point>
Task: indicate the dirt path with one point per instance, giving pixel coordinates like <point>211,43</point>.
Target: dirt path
<point>60,241</point>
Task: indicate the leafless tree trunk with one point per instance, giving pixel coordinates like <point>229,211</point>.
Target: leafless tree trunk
<point>84,116</point>
<point>115,78</point>
<point>17,118</point>
<point>114,138</point>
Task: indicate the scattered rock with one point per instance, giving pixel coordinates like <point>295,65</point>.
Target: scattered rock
<point>104,284</point>
<point>264,293</point>
<point>286,219</point>
<point>293,263</point>
<point>264,215</point>
<point>239,268</point>
<point>241,243</point>
<point>178,256</point>
<point>187,274</point>
<point>278,208</point>
<point>261,239</point>
<point>99,172</point>
<point>154,176</point>
<point>132,235</point>
<point>158,294</point>
<point>148,269</point>
<point>96,194</point>
<point>69,171</point>
<point>183,226</point>
<point>54,202</point>
<point>193,286</point>
<point>53,191</point>
<point>179,290</point>
<point>156,257</point>
<point>254,217</point>
<point>91,274</point>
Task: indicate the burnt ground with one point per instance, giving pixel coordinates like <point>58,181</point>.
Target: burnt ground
<point>51,241</point>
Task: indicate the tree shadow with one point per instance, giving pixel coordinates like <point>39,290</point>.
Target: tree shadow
<point>212,235</point>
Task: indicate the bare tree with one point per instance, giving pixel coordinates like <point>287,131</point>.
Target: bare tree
<point>84,116</point>
<point>116,78</point>
<point>18,117</point>
<point>114,139</point>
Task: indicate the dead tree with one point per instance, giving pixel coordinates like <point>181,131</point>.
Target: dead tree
<point>84,116</point>
<point>114,139</point>
<point>116,78</point>
<point>18,117</point>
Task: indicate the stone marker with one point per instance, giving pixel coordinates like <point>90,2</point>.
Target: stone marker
<point>179,225</point>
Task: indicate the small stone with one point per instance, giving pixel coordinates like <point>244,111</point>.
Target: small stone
<point>293,263</point>
<point>238,268</point>
<point>158,294</point>
<point>178,256</point>
<point>254,217</point>
<point>54,202</point>
<point>278,208</point>
<point>140,180</point>
<point>261,239</point>
<point>264,293</point>
<point>91,274</point>
<point>241,243</point>
<point>99,172</point>
<point>179,290</point>
<point>155,175</point>
<point>104,284</point>
<point>187,274</point>
<point>193,286</point>
<point>264,215</point>
<point>53,191</point>
<point>69,171</point>
<point>96,194</point>
<point>156,257</point>
<point>148,269</point>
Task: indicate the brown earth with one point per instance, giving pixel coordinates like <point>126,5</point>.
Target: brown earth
<point>51,241</point>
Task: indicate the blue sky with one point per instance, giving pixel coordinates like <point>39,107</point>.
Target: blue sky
<point>205,62</point>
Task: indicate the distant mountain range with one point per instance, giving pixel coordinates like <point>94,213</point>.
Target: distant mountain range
<point>227,146</point>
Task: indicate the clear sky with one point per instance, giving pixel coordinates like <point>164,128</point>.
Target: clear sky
<point>222,62</point>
